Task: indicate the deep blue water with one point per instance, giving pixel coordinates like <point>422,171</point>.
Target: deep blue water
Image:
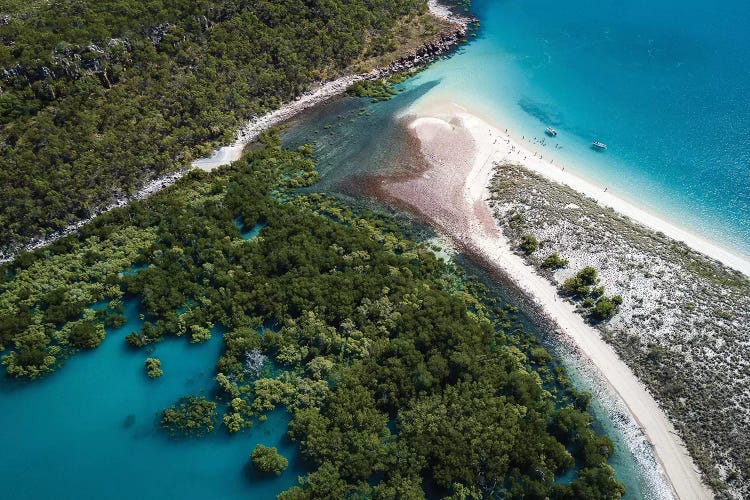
<point>665,84</point>
<point>91,429</point>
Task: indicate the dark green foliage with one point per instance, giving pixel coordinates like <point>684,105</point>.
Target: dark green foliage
<point>379,90</point>
<point>99,96</point>
<point>596,483</point>
<point>397,369</point>
<point>604,309</point>
<point>153,368</point>
<point>554,262</point>
<point>580,285</point>
<point>583,286</point>
<point>190,416</point>
<point>529,243</point>
<point>115,320</point>
<point>137,340</point>
<point>269,460</point>
<point>86,334</point>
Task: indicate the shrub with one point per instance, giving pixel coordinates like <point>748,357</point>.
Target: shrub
<point>190,416</point>
<point>153,368</point>
<point>585,286</point>
<point>233,422</point>
<point>604,309</point>
<point>116,320</point>
<point>573,286</point>
<point>554,262</point>
<point>580,285</point>
<point>136,339</point>
<point>86,334</point>
<point>529,243</point>
<point>199,334</point>
<point>588,276</point>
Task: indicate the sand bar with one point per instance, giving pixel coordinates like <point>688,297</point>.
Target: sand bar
<point>533,160</point>
<point>461,150</point>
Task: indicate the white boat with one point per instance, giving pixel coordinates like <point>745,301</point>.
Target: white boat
<point>599,145</point>
<point>552,132</point>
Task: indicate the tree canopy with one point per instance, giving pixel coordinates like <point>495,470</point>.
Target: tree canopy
<point>403,375</point>
<point>97,97</point>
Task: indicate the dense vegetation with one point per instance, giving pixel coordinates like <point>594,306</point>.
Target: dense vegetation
<point>99,96</point>
<point>402,376</point>
<point>553,262</point>
<point>529,243</point>
<point>190,416</point>
<point>379,90</point>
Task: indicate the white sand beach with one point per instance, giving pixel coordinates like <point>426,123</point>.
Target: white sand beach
<point>227,154</point>
<point>461,150</point>
<point>325,91</point>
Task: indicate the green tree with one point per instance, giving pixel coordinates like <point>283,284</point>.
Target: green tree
<point>190,416</point>
<point>267,459</point>
<point>86,334</point>
<point>153,368</point>
<point>554,262</point>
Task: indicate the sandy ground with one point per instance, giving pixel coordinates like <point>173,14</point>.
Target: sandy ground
<point>461,150</point>
<point>534,161</point>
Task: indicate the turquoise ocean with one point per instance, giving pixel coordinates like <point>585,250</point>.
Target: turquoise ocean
<point>666,85</point>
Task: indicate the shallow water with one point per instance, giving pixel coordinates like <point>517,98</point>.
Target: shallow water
<point>664,84</point>
<point>345,155</point>
<point>91,429</point>
<point>354,140</point>
<point>251,232</point>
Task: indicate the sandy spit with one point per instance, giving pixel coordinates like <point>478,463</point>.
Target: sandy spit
<point>461,150</point>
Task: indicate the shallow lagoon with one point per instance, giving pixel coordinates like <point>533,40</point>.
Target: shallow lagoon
<point>91,429</point>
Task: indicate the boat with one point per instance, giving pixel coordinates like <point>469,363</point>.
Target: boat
<point>599,145</point>
<point>552,132</point>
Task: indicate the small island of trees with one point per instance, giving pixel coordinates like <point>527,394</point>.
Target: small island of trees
<point>153,368</point>
<point>584,286</point>
<point>268,460</point>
